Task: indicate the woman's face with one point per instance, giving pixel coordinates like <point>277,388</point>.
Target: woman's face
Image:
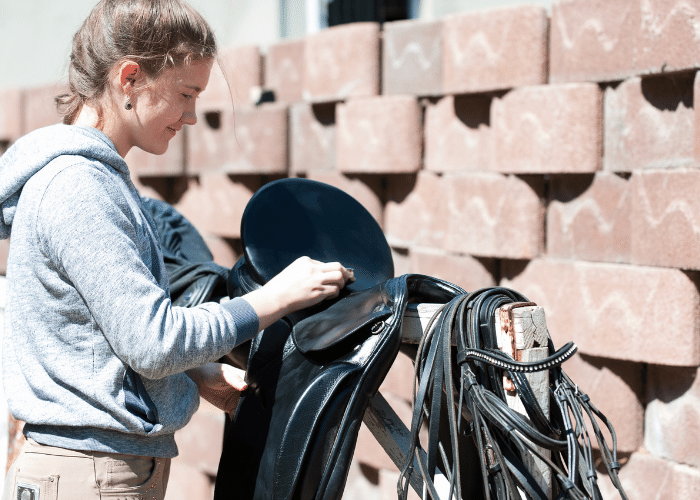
<point>162,107</point>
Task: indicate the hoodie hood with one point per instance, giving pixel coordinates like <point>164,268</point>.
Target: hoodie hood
<point>35,150</point>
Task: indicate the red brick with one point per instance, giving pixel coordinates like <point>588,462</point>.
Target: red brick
<point>616,388</point>
<point>412,57</point>
<point>666,218</point>
<point>214,203</point>
<point>365,189</point>
<point>188,483</point>
<point>458,134</point>
<point>462,270</point>
<point>548,129</point>
<point>495,49</point>
<point>379,135</point>
<point>342,62</point>
<point>39,108</point>
<point>368,451</point>
<point>492,215</point>
<point>254,140</point>
<point>416,211</point>
<point>672,422</point>
<point>593,40</point>
<point>616,311</point>
<point>649,123</point>
<point>284,70</point>
<point>668,39</point>
<point>200,442</point>
<point>242,67</point>
<point>4,251</point>
<point>589,217</point>
<point>172,163</point>
<point>311,137</point>
<point>10,115</point>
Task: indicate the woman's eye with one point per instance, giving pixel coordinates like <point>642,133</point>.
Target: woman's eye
<point>187,96</point>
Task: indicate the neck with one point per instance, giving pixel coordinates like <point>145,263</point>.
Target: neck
<point>90,117</point>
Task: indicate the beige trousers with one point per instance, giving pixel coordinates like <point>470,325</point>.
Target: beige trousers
<point>47,473</point>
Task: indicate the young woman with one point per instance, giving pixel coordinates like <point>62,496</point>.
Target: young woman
<point>96,360</point>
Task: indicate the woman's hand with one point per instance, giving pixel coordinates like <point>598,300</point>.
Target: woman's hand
<point>220,384</point>
<point>303,283</point>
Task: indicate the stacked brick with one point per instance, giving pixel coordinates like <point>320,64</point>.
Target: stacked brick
<point>553,153</point>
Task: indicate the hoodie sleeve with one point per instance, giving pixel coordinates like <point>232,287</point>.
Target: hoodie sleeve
<point>89,231</point>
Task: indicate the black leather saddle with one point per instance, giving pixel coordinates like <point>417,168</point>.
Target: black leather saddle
<point>312,376</point>
<point>290,218</point>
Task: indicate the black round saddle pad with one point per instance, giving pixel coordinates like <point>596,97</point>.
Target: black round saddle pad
<point>291,218</point>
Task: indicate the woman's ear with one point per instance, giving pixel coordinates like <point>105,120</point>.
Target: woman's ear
<point>128,74</point>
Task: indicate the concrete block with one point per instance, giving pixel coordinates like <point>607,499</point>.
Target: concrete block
<point>668,37</point>
<point>649,123</point>
<point>242,68</point>
<point>616,388</point>
<point>665,214</point>
<point>672,419</point>
<point>492,215</point>
<point>379,135</point>
<point>495,49</point>
<point>593,40</point>
<point>633,313</point>
<point>214,202</point>
<point>366,189</point>
<point>416,212</point>
<point>548,129</point>
<point>284,70</point>
<point>412,57</point>
<point>589,217</point>
<point>462,270</point>
<point>171,164</point>
<point>253,140</point>
<point>342,62</point>
<point>312,137</point>
<point>39,108</point>
<point>458,133</point>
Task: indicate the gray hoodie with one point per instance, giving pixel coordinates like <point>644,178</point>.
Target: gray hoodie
<point>93,350</point>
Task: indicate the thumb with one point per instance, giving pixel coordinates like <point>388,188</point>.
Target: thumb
<point>234,377</point>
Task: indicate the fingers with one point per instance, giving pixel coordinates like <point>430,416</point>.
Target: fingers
<point>234,377</point>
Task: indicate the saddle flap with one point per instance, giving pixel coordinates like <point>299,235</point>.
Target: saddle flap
<point>342,320</point>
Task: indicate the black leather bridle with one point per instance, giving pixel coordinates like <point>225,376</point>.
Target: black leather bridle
<point>459,397</point>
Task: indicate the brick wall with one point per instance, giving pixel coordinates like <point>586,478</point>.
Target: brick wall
<point>554,153</point>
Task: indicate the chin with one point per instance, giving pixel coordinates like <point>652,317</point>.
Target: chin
<point>155,149</point>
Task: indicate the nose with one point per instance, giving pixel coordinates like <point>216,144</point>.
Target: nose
<point>189,118</point>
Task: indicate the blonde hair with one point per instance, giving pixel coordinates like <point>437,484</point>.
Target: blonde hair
<point>156,34</point>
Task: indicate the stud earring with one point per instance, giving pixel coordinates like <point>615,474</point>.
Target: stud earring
<point>127,104</point>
